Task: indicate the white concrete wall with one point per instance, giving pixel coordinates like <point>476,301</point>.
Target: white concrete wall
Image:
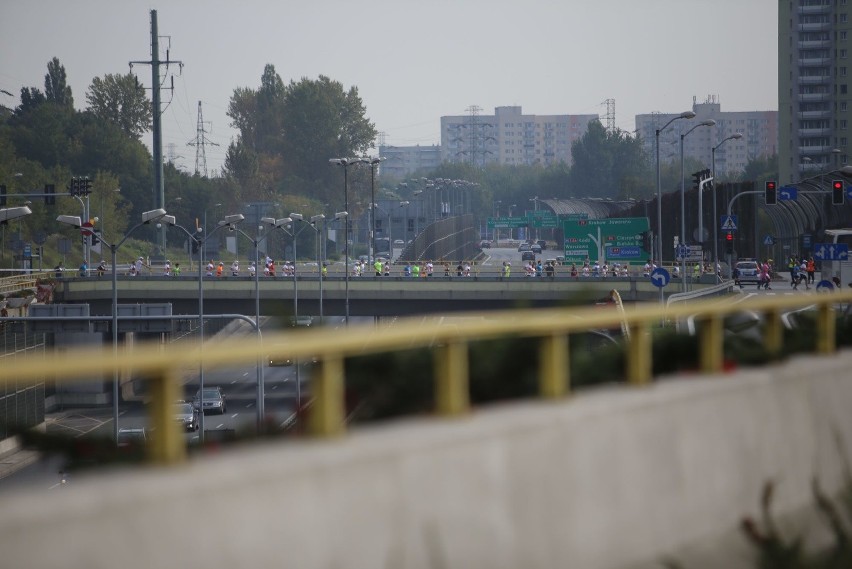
<point>610,478</point>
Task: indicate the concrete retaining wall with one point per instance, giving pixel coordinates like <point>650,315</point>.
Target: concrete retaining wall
<point>611,478</point>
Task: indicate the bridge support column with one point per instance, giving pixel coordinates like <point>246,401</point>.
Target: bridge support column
<point>167,445</point>
<point>452,390</point>
<point>711,344</point>
<point>826,341</point>
<point>773,333</point>
<point>639,361</point>
<point>554,372</point>
<point>328,410</point>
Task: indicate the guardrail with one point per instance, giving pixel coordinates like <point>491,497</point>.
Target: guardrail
<point>20,282</point>
<point>161,366</point>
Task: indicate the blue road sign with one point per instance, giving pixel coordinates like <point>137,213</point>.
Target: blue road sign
<point>831,251</point>
<point>824,285</point>
<point>788,194</point>
<point>849,192</point>
<point>769,240</point>
<point>624,252</point>
<point>682,251</point>
<point>729,223</point>
<point>807,240</point>
<point>660,277</point>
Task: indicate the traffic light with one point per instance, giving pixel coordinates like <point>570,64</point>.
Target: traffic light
<point>837,192</point>
<point>194,246</point>
<point>708,175</point>
<point>49,194</point>
<point>96,237</point>
<point>3,195</point>
<point>770,193</point>
<point>73,189</point>
<point>729,243</point>
<point>696,179</point>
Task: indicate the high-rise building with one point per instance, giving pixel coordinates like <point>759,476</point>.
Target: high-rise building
<point>759,131</point>
<point>400,162</point>
<point>813,87</point>
<point>511,137</point>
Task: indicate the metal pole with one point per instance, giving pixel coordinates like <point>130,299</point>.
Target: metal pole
<point>346,236</point>
<point>372,211</point>
<point>114,342</point>
<point>682,218</point>
<point>260,387</point>
<point>201,332</point>
<point>715,219</point>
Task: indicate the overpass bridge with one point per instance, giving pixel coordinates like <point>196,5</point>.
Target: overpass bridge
<point>368,295</point>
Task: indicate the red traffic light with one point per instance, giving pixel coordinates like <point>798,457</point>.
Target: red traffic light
<point>837,185</point>
<point>837,193</point>
<point>729,236</point>
<point>770,185</point>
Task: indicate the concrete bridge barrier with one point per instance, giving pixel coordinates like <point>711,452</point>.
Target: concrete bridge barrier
<point>612,478</point>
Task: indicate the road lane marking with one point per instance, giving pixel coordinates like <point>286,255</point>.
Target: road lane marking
<point>249,406</point>
<point>233,382</point>
<point>220,425</point>
<point>234,416</point>
<point>245,374</point>
<point>274,387</point>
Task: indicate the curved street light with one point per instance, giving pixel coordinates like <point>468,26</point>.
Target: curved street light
<point>709,122</point>
<point>152,216</point>
<point>735,136</point>
<point>683,115</point>
<point>345,163</point>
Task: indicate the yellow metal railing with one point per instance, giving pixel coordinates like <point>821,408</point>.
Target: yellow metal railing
<point>450,344</point>
<point>21,282</point>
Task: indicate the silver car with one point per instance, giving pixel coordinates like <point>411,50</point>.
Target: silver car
<point>187,415</point>
<point>749,272</point>
<point>211,399</point>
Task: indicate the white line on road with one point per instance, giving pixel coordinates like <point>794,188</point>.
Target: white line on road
<point>245,374</point>
<point>274,387</point>
<point>234,416</point>
<point>233,382</point>
<point>220,425</point>
<point>249,406</point>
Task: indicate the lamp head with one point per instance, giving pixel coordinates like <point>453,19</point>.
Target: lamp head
<point>687,115</point>
<point>341,214</point>
<point>9,213</point>
<point>283,222</point>
<point>737,135</point>
<point>339,161</point>
<point>169,220</point>
<point>708,122</point>
<point>153,215</point>
<point>405,203</point>
<point>235,218</point>
<point>67,219</point>
<point>296,216</point>
<point>315,218</point>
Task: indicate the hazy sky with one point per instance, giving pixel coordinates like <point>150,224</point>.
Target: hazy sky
<point>412,61</point>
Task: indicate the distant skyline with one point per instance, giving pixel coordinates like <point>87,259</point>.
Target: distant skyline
<point>412,62</point>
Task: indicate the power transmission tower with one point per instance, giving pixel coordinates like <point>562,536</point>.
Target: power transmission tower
<point>157,111</point>
<point>610,115</point>
<point>199,143</point>
<point>474,135</point>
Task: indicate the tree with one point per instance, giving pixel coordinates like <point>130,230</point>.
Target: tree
<point>56,90</point>
<point>30,99</point>
<point>120,100</point>
<point>609,165</point>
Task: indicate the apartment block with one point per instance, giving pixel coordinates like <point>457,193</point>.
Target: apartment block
<point>511,137</point>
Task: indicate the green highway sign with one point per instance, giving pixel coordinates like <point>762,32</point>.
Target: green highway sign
<point>542,218</point>
<point>611,239</point>
<point>507,222</point>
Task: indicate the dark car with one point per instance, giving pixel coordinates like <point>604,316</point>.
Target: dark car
<point>187,415</point>
<point>542,243</point>
<point>485,244</point>
<point>527,256</point>
<point>128,437</point>
<point>211,399</point>
<point>536,248</point>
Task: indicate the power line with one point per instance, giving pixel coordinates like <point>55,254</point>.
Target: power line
<point>200,143</point>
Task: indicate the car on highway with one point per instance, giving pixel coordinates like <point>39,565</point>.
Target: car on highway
<point>485,244</point>
<point>523,247</point>
<point>211,399</point>
<point>527,256</point>
<point>748,271</point>
<point>398,243</point>
<point>542,243</point>
<point>187,415</point>
<point>131,437</point>
<point>535,248</point>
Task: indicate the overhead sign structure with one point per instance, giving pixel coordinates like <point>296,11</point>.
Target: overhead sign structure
<point>542,218</point>
<point>788,193</point>
<point>595,239</point>
<point>729,223</point>
<point>506,222</point>
<point>660,277</point>
<point>831,251</point>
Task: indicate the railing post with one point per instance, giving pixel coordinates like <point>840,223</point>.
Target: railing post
<point>826,342</point>
<point>554,372</point>
<point>711,343</point>
<point>639,360</point>
<point>773,333</point>
<point>327,416</point>
<point>167,444</point>
<point>452,390</point>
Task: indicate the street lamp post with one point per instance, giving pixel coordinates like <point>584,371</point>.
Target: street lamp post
<point>345,163</point>
<point>683,238</point>
<point>683,115</point>
<point>373,164</point>
<point>147,217</point>
<point>735,136</point>
<point>231,222</point>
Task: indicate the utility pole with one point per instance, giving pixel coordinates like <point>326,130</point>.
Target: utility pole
<point>156,111</point>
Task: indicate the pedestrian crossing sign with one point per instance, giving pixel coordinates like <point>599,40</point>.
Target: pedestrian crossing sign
<point>729,222</point>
